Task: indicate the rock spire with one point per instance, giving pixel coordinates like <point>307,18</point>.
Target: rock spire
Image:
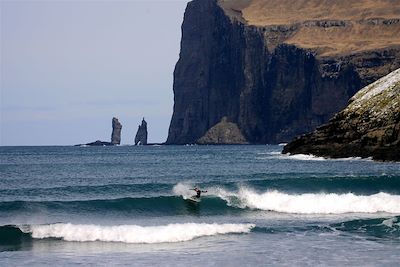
<point>141,135</point>
<point>116,132</point>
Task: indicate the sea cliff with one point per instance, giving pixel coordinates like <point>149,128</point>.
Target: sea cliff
<point>277,69</point>
<point>368,127</point>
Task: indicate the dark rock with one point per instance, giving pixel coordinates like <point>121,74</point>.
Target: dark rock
<point>223,132</point>
<point>99,143</point>
<point>272,90</point>
<point>326,23</point>
<point>368,127</point>
<point>115,136</point>
<point>141,135</point>
<point>116,132</point>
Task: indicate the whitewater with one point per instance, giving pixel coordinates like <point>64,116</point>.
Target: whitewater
<point>311,203</point>
<point>133,233</point>
<point>129,206</point>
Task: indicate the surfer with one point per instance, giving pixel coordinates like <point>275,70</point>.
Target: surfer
<point>198,192</point>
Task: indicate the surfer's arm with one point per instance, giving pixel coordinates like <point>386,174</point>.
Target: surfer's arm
<point>204,191</point>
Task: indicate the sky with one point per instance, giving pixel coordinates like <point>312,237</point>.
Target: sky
<point>68,67</point>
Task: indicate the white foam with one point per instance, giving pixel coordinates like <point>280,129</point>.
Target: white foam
<point>316,158</point>
<point>183,189</point>
<point>304,157</point>
<point>279,155</point>
<point>312,203</point>
<point>134,233</point>
<point>391,222</point>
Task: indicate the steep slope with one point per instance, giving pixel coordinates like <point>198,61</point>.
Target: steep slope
<point>278,69</point>
<point>368,126</point>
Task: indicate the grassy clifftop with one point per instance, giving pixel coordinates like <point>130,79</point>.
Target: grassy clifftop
<point>328,27</point>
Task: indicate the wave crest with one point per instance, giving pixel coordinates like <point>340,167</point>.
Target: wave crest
<point>133,233</point>
<point>312,203</point>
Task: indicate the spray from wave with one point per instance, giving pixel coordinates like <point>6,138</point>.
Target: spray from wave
<point>133,233</point>
<point>183,189</point>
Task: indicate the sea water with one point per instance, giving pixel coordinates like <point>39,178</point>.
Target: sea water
<point>127,205</point>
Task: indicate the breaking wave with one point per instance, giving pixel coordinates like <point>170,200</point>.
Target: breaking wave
<point>23,236</point>
<point>133,233</point>
<point>311,203</point>
<point>316,197</point>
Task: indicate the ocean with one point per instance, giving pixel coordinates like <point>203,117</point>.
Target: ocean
<point>128,205</point>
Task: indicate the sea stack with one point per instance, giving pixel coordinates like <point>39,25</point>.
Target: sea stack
<point>141,135</point>
<point>116,132</point>
<point>278,69</point>
<point>368,127</point>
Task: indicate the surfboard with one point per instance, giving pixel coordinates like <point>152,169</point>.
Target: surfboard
<point>194,199</point>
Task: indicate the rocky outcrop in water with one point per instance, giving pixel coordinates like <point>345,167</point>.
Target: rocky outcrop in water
<point>141,135</point>
<point>368,127</point>
<point>116,132</point>
<point>115,136</point>
<point>98,143</point>
<point>223,133</point>
<point>277,74</point>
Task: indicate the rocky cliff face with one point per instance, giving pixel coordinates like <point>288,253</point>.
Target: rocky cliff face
<point>275,74</point>
<point>141,134</point>
<point>368,127</point>
<point>116,132</point>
